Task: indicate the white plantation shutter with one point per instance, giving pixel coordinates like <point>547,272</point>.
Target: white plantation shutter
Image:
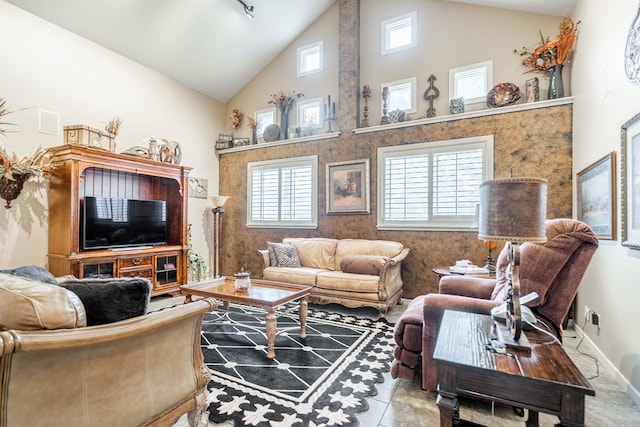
<point>283,193</point>
<point>432,185</point>
<point>457,176</point>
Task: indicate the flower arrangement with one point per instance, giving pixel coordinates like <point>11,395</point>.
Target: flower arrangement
<point>550,53</point>
<point>284,102</point>
<point>236,118</point>
<point>251,123</point>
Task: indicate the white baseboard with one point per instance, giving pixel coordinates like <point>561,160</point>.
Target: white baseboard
<point>633,393</point>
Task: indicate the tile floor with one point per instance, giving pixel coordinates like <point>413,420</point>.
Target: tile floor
<point>402,403</point>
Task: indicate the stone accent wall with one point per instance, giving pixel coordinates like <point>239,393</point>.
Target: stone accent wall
<point>535,142</point>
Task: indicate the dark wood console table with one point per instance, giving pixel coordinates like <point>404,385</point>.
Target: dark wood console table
<point>546,381</point>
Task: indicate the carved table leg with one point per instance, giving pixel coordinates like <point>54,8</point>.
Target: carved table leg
<point>271,333</point>
<point>302,312</point>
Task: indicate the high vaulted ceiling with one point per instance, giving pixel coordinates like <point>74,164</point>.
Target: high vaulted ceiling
<point>209,45</point>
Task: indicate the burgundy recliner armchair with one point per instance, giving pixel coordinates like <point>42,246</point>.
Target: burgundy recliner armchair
<point>553,269</point>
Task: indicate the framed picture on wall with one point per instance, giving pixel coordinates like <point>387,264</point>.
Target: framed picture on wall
<point>348,187</point>
<point>597,196</point>
<point>630,183</point>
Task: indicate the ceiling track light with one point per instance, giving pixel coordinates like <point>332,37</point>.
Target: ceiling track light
<point>248,10</point>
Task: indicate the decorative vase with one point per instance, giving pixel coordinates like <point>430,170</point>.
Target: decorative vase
<point>556,86</point>
<point>10,189</point>
<point>242,282</point>
<point>284,124</point>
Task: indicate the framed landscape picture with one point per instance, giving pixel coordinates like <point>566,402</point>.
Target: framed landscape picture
<point>630,183</point>
<point>597,196</point>
<point>348,187</point>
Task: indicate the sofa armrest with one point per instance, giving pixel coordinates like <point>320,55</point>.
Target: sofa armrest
<point>153,360</point>
<point>264,255</point>
<point>468,286</point>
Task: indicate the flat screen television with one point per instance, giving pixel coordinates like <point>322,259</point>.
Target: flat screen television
<point>121,223</point>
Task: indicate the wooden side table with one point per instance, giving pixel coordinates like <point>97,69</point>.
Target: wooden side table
<point>544,381</point>
<point>446,271</point>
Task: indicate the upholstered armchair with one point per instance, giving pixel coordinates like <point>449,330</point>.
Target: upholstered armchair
<point>553,269</point>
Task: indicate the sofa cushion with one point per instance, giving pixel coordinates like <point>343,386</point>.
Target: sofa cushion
<point>273,262</point>
<point>301,275</point>
<point>111,300</point>
<point>366,247</point>
<point>27,304</point>
<point>286,255</point>
<point>34,272</point>
<point>363,264</point>
<point>339,281</point>
<point>315,252</point>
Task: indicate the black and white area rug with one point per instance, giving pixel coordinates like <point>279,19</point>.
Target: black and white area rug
<point>322,380</point>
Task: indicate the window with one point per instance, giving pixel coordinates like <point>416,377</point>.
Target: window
<point>402,95</point>
<point>264,118</point>
<point>398,33</point>
<point>283,193</point>
<point>432,185</point>
<point>309,115</point>
<point>471,82</point>
<point>310,58</point>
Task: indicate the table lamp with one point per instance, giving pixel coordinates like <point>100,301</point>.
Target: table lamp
<point>513,210</point>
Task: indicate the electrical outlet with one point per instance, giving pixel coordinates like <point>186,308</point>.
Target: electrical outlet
<point>595,319</point>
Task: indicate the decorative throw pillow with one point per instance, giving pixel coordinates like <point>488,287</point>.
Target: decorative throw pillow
<point>34,272</point>
<point>363,264</point>
<point>111,300</point>
<point>273,262</point>
<point>27,304</point>
<point>286,255</point>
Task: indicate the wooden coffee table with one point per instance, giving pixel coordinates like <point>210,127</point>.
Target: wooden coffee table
<point>546,380</point>
<point>265,294</point>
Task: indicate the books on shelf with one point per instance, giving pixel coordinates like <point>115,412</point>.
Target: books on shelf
<point>469,269</point>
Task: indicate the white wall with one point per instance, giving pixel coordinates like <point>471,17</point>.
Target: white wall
<point>45,67</point>
<point>611,286</point>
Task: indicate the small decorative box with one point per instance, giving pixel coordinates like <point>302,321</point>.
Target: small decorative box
<point>91,137</point>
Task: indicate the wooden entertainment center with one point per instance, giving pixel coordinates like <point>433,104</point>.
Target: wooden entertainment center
<point>85,171</point>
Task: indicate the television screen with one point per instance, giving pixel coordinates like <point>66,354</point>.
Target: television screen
<point>117,223</point>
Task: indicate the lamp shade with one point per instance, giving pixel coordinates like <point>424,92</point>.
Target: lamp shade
<point>513,210</point>
<point>218,201</point>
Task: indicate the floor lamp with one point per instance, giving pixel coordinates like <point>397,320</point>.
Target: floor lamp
<point>218,210</point>
<point>513,210</point>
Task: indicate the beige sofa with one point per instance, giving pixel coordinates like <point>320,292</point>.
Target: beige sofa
<point>351,272</point>
<point>147,370</point>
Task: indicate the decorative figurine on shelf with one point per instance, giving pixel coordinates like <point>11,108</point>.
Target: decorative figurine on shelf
<point>330,112</point>
<point>430,94</point>
<point>385,99</point>
<point>366,93</point>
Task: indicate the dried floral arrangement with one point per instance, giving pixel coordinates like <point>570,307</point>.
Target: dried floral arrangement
<point>37,165</point>
<point>551,52</point>
<point>251,123</point>
<point>236,118</point>
<point>283,101</point>
<point>113,126</point>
